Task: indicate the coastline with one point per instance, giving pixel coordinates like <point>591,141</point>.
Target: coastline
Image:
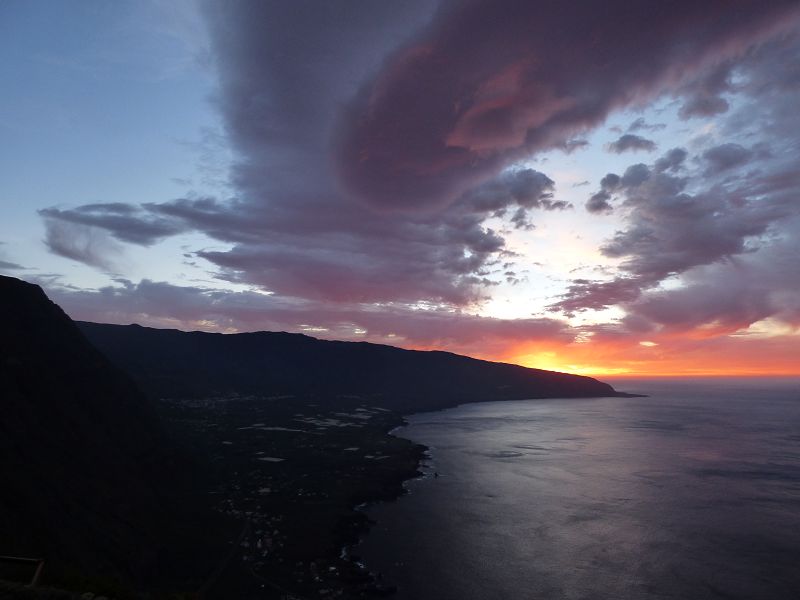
<point>349,551</point>
<point>514,482</point>
<point>296,476</point>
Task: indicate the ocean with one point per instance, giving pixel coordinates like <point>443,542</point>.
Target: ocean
<point>692,492</point>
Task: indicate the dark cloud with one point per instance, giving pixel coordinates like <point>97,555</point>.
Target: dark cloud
<point>571,146</point>
<point>670,231</point>
<point>724,157</point>
<point>89,245</point>
<point>125,222</point>
<point>584,294</point>
<point>641,125</point>
<point>703,106</point>
<point>503,80</point>
<point>632,178</point>
<point>703,97</point>
<point>519,191</point>
<point>600,202</point>
<point>630,141</point>
<point>524,188</point>
<point>733,295</point>
<point>672,161</point>
<point>332,273</point>
<point>610,183</point>
<point>342,252</point>
<point>292,230</point>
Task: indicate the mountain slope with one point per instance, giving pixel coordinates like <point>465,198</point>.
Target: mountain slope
<point>88,476</point>
<point>176,363</point>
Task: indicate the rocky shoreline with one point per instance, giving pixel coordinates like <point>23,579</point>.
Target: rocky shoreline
<point>292,474</point>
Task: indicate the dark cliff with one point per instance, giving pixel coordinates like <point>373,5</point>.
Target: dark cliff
<point>90,481</point>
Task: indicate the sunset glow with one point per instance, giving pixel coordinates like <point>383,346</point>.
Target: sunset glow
<point>404,182</point>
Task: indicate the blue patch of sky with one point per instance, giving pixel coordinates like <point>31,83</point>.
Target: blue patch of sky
<point>102,102</point>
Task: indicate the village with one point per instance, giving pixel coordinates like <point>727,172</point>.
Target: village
<point>292,473</point>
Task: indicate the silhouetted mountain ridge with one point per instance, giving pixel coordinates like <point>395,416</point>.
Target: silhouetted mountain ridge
<point>172,363</point>
<point>89,478</point>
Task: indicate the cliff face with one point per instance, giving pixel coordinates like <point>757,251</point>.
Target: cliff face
<point>85,466</point>
<point>175,363</point>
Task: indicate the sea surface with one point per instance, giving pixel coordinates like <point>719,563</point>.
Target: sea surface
<point>690,493</point>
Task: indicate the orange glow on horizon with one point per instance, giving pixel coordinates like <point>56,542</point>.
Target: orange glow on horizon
<point>682,360</point>
<point>666,356</point>
<point>551,362</point>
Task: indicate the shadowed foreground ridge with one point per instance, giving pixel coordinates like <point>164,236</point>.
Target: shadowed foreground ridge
<point>172,363</point>
<point>90,481</point>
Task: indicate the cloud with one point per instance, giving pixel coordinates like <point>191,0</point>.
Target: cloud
<point>731,296</point>
<point>9,266</point>
<point>375,146</point>
<point>524,188</point>
<point>126,222</point>
<point>630,141</point>
<point>641,125</point>
<point>333,273</point>
<point>703,96</point>
<point>583,294</point>
<point>672,161</point>
<point>520,190</point>
<point>703,106</point>
<point>291,229</point>
<point>753,293</point>
<point>341,252</point>
<point>89,245</point>
<point>600,202</point>
<point>163,304</point>
<point>724,157</point>
<point>681,221</point>
<point>503,80</point>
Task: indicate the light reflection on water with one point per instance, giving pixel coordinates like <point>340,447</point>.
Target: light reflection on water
<point>693,492</point>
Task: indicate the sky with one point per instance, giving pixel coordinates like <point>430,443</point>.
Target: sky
<point>604,188</point>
